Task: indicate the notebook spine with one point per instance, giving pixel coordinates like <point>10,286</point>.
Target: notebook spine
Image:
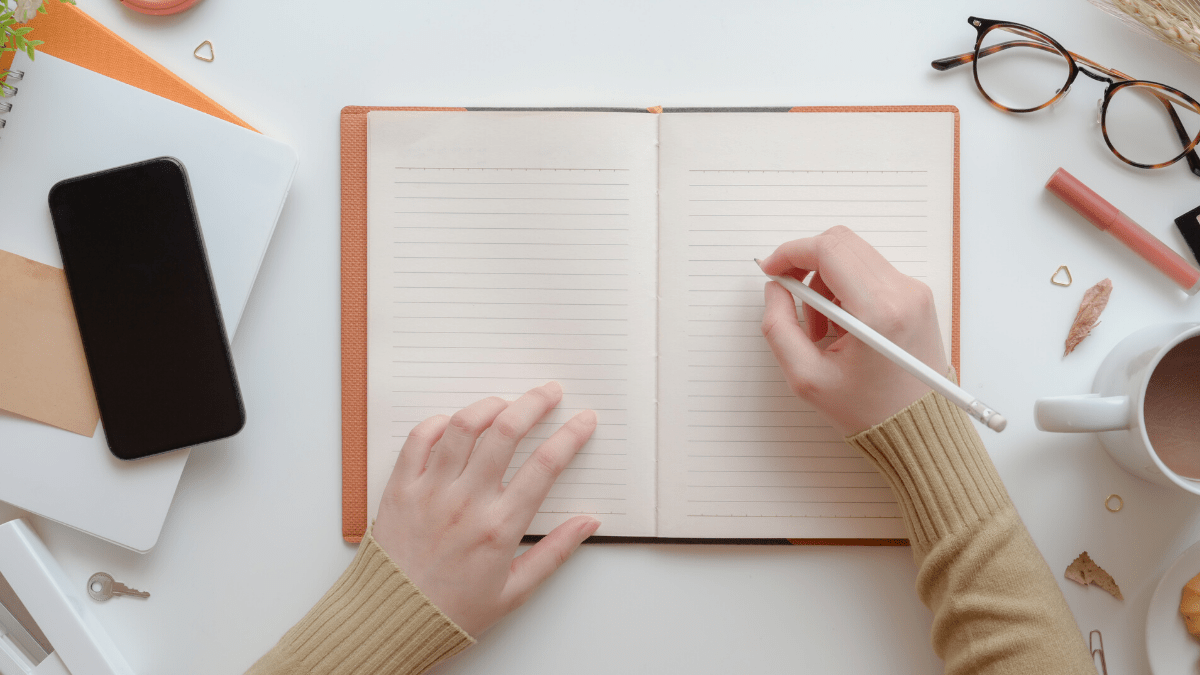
<point>7,90</point>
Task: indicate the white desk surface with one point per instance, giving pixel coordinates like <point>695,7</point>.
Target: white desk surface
<point>253,538</point>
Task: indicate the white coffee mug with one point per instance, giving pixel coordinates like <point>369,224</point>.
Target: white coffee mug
<point>1145,406</point>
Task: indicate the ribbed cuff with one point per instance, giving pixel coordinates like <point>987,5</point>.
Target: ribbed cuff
<point>373,620</point>
<point>938,468</point>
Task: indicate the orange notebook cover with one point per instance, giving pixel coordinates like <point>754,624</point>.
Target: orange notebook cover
<point>354,314</point>
<point>71,35</point>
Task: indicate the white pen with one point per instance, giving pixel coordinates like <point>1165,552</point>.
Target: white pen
<point>990,418</point>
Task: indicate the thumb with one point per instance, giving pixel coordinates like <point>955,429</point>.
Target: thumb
<point>534,566</point>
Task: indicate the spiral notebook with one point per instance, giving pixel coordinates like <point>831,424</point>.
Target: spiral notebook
<point>487,251</point>
<point>64,121</point>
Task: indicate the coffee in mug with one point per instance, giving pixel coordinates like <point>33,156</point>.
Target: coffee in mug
<point>1173,409</point>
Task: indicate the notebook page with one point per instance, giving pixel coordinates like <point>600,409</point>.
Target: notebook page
<point>739,455</point>
<point>507,249</point>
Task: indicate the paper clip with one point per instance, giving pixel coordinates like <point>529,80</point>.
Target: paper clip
<point>212,51</point>
<point>1103,667</point>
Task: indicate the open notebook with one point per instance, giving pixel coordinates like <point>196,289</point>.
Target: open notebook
<point>612,252</point>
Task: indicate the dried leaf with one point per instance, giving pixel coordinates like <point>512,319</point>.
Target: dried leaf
<point>1085,571</point>
<point>1094,302</point>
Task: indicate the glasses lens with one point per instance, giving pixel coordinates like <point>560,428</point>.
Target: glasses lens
<point>1019,69</point>
<point>1149,125</point>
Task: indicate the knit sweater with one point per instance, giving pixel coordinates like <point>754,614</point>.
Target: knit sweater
<point>997,609</point>
<point>996,606</point>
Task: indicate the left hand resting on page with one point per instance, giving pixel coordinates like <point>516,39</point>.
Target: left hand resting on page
<point>454,528</point>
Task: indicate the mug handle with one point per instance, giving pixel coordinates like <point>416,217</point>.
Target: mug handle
<point>1084,412</point>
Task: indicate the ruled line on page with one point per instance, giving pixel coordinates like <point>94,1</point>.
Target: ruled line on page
<point>444,182</point>
<point>850,185</point>
<point>786,515</point>
<point>834,171</point>
<point>506,213</point>
<point>845,201</point>
<point>499,168</point>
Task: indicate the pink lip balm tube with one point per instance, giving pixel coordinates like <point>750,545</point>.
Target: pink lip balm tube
<point>1107,218</point>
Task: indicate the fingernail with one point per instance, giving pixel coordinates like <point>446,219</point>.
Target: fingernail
<point>554,386</point>
<point>590,528</point>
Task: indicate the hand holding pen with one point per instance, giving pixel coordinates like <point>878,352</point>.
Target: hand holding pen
<point>852,381</point>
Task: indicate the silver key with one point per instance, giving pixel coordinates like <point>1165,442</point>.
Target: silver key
<point>102,587</point>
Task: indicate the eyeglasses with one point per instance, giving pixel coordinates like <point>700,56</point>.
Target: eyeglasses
<point>1146,124</point>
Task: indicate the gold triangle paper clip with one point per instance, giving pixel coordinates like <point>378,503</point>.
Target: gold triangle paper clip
<point>1054,277</point>
<point>212,52</point>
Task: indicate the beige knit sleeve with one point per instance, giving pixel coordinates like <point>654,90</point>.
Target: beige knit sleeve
<point>997,608</point>
<point>373,621</point>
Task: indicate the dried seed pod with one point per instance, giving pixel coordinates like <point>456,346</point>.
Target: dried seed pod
<point>1094,302</point>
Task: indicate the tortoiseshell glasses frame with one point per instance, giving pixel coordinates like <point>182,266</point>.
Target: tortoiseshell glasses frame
<point>1114,80</point>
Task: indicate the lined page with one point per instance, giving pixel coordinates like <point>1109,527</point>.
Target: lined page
<point>739,455</point>
<point>507,249</point>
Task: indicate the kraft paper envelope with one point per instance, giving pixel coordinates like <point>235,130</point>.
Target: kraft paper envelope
<point>43,374</point>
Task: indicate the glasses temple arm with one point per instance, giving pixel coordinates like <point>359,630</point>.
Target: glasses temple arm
<point>953,61</point>
<point>963,59</point>
<point>1192,159</point>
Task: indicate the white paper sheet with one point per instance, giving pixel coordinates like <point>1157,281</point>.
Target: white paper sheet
<point>739,455</point>
<point>508,249</point>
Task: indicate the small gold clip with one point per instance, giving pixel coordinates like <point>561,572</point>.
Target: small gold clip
<point>1054,277</point>
<point>1120,503</point>
<point>1102,669</point>
<point>212,52</point>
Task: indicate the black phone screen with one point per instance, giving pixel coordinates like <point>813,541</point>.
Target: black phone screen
<point>148,315</point>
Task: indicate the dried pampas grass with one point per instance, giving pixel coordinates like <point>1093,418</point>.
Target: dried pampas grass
<point>1175,22</point>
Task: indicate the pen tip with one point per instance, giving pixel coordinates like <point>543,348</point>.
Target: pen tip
<point>997,422</point>
<point>758,262</point>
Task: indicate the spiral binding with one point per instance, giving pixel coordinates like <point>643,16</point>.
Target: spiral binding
<point>8,91</point>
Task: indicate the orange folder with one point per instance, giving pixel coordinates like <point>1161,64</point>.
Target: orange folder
<point>71,35</point>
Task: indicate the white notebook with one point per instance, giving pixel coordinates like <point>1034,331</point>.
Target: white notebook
<point>613,252</point>
<point>66,121</point>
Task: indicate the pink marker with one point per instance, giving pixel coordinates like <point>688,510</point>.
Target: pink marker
<point>1106,217</point>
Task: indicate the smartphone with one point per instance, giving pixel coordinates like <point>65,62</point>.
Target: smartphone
<point>147,311</point>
